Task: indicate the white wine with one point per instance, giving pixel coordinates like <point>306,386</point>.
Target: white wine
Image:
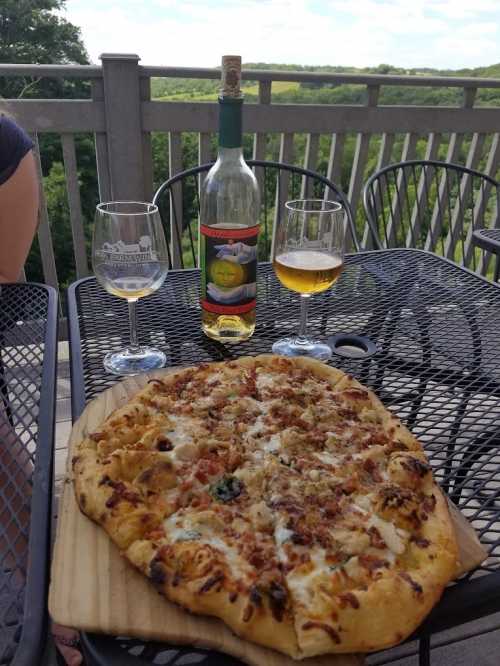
<point>229,224</point>
<point>131,289</point>
<point>307,271</point>
<point>229,328</point>
<point>121,281</point>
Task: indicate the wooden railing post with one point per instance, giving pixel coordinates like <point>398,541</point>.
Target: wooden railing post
<point>147,152</point>
<point>360,159</point>
<point>456,140</point>
<point>260,138</point>
<point>122,104</point>
<point>101,148</point>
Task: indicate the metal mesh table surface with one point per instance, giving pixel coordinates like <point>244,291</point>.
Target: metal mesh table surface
<point>28,337</point>
<point>435,326</point>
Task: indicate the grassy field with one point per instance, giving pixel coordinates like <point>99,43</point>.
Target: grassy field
<point>277,88</point>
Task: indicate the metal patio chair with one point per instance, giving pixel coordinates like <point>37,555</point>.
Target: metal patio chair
<point>431,205</point>
<point>28,353</point>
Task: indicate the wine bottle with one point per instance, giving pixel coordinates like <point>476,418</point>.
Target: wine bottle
<point>229,224</point>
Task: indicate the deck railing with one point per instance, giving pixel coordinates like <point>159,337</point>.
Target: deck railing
<point>121,115</point>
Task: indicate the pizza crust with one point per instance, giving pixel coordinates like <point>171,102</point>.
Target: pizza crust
<point>210,594</point>
<point>392,607</point>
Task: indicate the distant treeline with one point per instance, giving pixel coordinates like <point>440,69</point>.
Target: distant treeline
<point>328,93</point>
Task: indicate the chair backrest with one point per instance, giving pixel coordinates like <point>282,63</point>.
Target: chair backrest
<point>178,200</point>
<point>432,206</point>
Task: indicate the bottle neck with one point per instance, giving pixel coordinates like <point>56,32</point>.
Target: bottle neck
<point>230,154</point>
<point>230,126</point>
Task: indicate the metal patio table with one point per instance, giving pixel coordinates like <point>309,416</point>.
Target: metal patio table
<point>489,240</point>
<point>418,329</point>
<point>28,356</point>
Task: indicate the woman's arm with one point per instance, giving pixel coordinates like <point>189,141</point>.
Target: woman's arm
<point>18,217</point>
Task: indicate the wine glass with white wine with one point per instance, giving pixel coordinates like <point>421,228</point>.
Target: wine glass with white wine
<point>130,260</point>
<point>308,256</point>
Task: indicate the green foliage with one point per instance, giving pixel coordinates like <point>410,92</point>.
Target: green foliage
<point>58,210</point>
<point>57,206</point>
<point>32,32</point>
<point>181,87</point>
<point>54,185</point>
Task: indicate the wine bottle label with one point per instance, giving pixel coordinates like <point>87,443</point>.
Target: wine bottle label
<point>228,262</point>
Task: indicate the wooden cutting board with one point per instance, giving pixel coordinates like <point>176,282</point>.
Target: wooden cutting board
<point>94,589</point>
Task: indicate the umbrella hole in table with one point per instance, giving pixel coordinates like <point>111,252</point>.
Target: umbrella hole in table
<point>352,346</point>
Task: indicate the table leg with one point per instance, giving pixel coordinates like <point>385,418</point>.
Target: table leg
<point>424,651</point>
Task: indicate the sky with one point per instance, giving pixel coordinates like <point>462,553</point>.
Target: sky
<point>444,34</point>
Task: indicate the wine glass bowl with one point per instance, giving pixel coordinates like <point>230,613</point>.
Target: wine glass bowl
<point>130,260</point>
<point>308,256</point>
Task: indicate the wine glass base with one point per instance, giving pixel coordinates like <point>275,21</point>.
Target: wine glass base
<point>303,347</point>
<point>132,361</point>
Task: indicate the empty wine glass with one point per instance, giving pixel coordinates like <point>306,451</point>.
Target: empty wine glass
<point>308,256</point>
<point>129,257</point>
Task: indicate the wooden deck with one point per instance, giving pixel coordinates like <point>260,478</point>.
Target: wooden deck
<point>63,414</point>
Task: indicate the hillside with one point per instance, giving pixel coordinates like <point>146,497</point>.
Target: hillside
<point>294,92</point>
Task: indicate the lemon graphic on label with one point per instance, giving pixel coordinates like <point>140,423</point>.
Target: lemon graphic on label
<point>226,273</point>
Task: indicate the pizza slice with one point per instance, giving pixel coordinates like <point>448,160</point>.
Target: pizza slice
<point>221,560</point>
<point>158,453</point>
<point>362,529</point>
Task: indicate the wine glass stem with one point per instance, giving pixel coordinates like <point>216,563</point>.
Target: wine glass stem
<point>304,305</point>
<point>132,315</point>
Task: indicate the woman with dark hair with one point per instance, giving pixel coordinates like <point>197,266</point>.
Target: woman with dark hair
<point>19,197</point>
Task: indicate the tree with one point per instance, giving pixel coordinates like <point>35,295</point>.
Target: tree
<point>31,32</point>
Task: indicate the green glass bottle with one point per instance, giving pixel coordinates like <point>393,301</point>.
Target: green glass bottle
<point>229,224</point>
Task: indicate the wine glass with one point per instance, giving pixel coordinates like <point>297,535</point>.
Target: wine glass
<point>129,257</point>
<point>308,255</point>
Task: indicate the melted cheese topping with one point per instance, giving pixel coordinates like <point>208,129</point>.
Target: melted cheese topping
<point>302,585</point>
<point>353,568</point>
<point>266,380</point>
<point>266,442</point>
<point>394,538</point>
<point>282,534</point>
<point>328,458</point>
<point>389,534</point>
<point>257,427</point>
<point>215,377</point>
<point>272,444</point>
<point>180,433</point>
<point>188,528</point>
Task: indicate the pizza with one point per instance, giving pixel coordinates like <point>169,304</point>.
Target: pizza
<point>278,495</point>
